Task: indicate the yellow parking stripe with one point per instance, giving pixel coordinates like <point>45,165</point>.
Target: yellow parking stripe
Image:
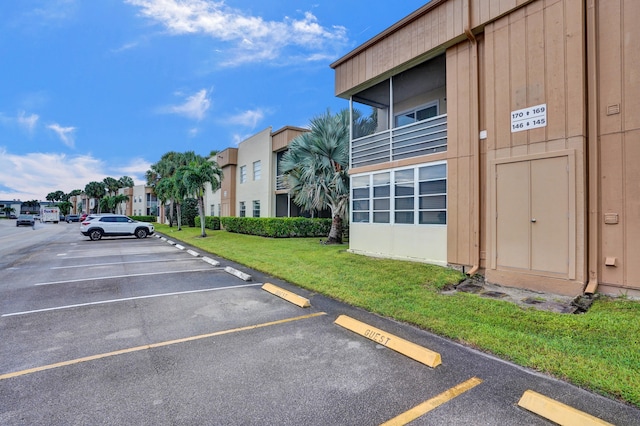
<point>153,345</point>
<point>425,407</point>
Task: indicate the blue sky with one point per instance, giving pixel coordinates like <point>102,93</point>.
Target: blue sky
<point>97,88</point>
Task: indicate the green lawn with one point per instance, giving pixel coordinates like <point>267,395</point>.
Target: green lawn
<point>598,350</point>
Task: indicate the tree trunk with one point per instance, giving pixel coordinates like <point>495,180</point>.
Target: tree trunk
<point>179,214</point>
<point>201,212</point>
<point>335,234</point>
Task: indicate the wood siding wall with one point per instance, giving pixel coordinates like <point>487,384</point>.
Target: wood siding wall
<point>426,33</point>
<point>280,139</point>
<point>619,122</point>
<point>536,55</point>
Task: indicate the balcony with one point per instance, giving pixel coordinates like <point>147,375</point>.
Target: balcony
<point>415,139</point>
<point>280,184</point>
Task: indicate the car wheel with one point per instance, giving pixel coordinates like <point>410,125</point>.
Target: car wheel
<point>141,233</point>
<point>95,234</point>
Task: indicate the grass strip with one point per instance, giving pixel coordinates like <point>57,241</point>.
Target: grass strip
<point>598,350</point>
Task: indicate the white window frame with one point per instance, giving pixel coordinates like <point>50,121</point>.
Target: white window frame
<point>243,174</point>
<point>417,196</point>
<point>256,208</point>
<point>257,170</point>
<point>415,110</point>
<point>243,209</point>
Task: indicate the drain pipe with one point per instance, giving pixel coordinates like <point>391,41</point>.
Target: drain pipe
<point>475,136</point>
<point>593,148</point>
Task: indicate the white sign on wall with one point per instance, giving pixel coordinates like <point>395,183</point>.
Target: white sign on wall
<point>529,118</point>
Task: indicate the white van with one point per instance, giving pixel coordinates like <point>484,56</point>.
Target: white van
<point>49,214</point>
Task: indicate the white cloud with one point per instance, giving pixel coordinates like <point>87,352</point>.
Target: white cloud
<point>250,38</point>
<point>64,133</point>
<point>194,107</point>
<point>249,118</point>
<point>237,138</point>
<point>33,176</point>
<point>28,122</point>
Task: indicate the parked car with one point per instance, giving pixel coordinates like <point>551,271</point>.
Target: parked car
<point>13,216</point>
<point>72,218</point>
<point>25,219</point>
<point>113,225</point>
<point>83,216</point>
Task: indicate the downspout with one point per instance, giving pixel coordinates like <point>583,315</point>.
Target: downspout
<point>475,135</point>
<point>593,147</point>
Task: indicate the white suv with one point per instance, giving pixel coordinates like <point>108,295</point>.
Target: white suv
<point>96,226</point>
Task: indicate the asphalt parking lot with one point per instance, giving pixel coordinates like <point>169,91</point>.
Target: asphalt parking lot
<point>128,331</point>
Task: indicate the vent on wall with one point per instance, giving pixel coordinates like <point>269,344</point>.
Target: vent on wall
<point>613,109</point>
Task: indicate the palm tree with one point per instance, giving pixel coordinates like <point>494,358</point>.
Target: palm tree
<point>95,190</point>
<point>316,168</point>
<point>125,182</point>
<point>111,184</point>
<point>165,169</point>
<point>195,176</point>
<point>7,210</point>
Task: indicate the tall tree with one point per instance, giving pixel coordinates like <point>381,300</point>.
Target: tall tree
<point>55,196</point>
<point>125,182</point>
<point>95,190</point>
<point>316,168</point>
<point>195,176</point>
<point>111,185</point>
<point>165,168</point>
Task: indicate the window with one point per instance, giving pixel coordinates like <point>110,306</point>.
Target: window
<point>256,208</point>
<point>257,170</point>
<point>213,209</point>
<point>404,199</point>
<point>243,174</point>
<point>416,196</point>
<point>381,197</point>
<point>243,209</point>
<point>432,208</point>
<point>360,198</point>
<point>420,113</point>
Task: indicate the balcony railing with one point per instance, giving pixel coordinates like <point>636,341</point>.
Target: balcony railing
<point>421,138</point>
<point>280,185</point>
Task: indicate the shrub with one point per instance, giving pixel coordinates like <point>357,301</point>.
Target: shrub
<point>277,227</point>
<point>210,222</point>
<point>144,218</point>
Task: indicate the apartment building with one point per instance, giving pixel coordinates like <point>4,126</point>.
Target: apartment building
<point>508,142</point>
<point>253,184</point>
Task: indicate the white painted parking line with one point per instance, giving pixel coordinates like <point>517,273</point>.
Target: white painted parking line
<point>122,276</point>
<point>102,302</point>
<point>122,263</point>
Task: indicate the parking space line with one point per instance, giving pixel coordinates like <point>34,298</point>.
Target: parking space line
<point>123,263</point>
<point>154,345</point>
<point>122,276</point>
<point>150,296</point>
<point>425,407</point>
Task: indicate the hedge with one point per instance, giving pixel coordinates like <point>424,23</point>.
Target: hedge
<point>149,219</point>
<point>210,222</point>
<point>278,227</point>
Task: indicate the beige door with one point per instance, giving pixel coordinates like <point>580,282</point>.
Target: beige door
<point>532,216</point>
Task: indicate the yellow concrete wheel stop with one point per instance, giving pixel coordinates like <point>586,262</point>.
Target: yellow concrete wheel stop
<point>409,349</point>
<point>287,295</point>
<point>557,412</point>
